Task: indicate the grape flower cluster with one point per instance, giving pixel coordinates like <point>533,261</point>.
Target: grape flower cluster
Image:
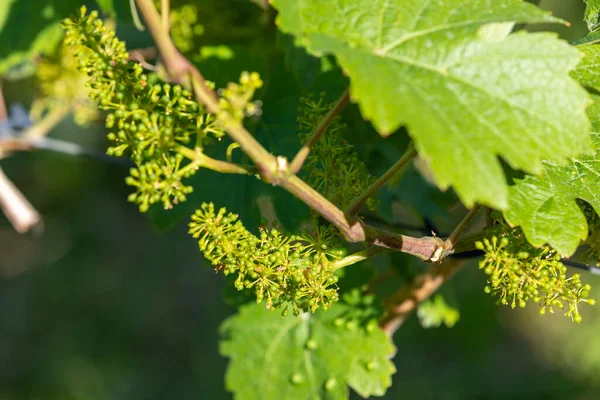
<point>283,270</point>
<point>333,167</point>
<point>185,28</point>
<point>158,124</point>
<point>151,122</point>
<point>235,102</point>
<point>517,273</point>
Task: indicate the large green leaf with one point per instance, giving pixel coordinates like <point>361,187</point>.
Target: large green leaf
<point>312,356</point>
<point>545,207</point>
<point>449,70</point>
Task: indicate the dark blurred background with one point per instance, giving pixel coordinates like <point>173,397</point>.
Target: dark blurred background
<point>101,305</point>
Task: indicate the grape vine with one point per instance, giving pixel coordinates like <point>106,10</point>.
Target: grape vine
<point>470,103</point>
<point>156,123</point>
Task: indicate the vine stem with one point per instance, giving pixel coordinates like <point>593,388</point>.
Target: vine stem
<point>303,153</point>
<point>268,164</point>
<point>202,160</point>
<point>407,298</point>
<point>176,64</point>
<point>179,68</point>
<point>136,18</point>
<point>406,158</point>
<point>359,256</point>
<point>165,9</point>
<point>142,54</point>
<point>275,170</point>
<point>452,240</point>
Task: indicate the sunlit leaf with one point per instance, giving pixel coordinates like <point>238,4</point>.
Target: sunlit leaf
<point>468,91</point>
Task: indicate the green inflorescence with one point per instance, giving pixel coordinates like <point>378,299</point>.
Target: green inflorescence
<point>236,102</point>
<point>333,167</point>
<point>150,122</point>
<point>184,26</point>
<point>154,123</point>
<point>294,271</point>
<point>517,273</point>
<point>162,183</point>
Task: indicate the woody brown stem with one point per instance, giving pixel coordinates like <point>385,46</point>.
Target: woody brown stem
<point>406,299</point>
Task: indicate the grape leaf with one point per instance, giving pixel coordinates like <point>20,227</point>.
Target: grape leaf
<point>312,356</point>
<point>541,205</point>
<point>592,37</point>
<point>592,14</point>
<point>587,72</point>
<point>466,89</point>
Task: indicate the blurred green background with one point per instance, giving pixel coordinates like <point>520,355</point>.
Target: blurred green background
<point>102,305</point>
